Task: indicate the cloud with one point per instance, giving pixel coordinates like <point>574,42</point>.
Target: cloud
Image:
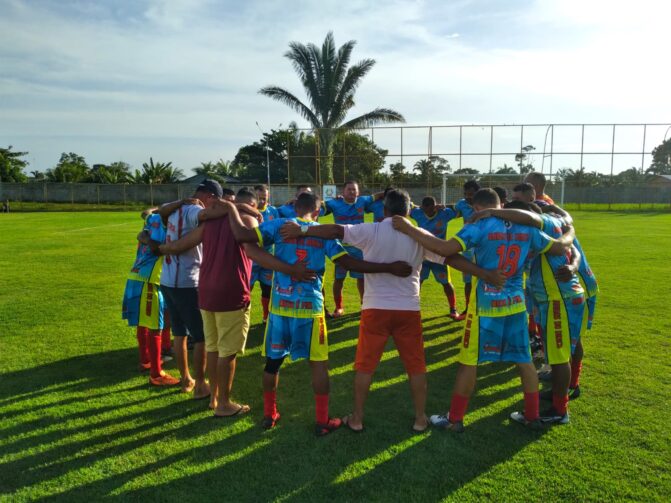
<point>180,78</point>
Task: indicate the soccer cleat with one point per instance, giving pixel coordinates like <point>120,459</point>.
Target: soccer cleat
<point>144,367</point>
<point>166,358</point>
<point>453,314</point>
<point>518,417</point>
<point>573,393</point>
<point>462,316</point>
<point>324,429</point>
<point>270,422</point>
<point>338,313</point>
<point>164,380</point>
<point>443,421</point>
<point>545,373</point>
<point>551,416</point>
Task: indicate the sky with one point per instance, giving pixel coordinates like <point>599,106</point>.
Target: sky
<point>178,80</point>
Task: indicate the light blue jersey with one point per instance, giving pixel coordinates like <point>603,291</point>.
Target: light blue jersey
<point>437,224</point>
<point>585,272</point>
<point>542,282</point>
<point>289,297</point>
<point>345,213</point>
<point>147,266</point>
<point>270,213</point>
<point>288,211</point>
<point>499,244</point>
<point>464,208</point>
<point>377,209</point>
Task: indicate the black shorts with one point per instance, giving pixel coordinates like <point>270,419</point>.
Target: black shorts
<point>184,312</point>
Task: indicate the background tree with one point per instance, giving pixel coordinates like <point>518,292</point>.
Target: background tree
<point>466,171</point>
<point>12,166</point>
<point>117,172</point>
<point>523,160</point>
<point>160,172</point>
<point>71,168</point>
<point>397,174</point>
<point>661,159</point>
<point>356,157</point>
<point>330,87</point>
<point>506,170</point>
<point>216,170</point>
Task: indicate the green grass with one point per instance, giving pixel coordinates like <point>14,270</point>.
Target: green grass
<point>78,423</point>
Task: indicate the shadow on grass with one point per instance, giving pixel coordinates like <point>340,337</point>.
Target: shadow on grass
<point>201,457</point>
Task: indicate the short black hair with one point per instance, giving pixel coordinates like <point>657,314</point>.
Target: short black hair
<point>298,189</point>
<point>246,195</point>
<point>348,182</point>
<point>536,178</point>
<point>386,191</point>
<point>502,192</point>
<point>524,188</point>
<point>397,202</point>
<point>471,185</point>
<point>227,192</point>
<point>486,198</point>
<point>428,201</point>
<point>260,188</point>
<point>521,205</point>
<point>307,201</point>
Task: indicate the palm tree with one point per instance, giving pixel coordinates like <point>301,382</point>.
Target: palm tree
<point>330,86</point>
<point>160,172</point>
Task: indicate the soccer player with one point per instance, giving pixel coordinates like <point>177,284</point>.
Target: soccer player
<point>377,206</point>
<point>524,192</point>
<point>465,210</point>
<point>264,276</point>
<point>287,210</point>
<point>143,302</point>
<point>538,181</point>
<point>502,193</point>
<point>558,298</point>
<point>224,293</point>
<point>435,221</point>
<point>391,304</point>
<point>348,210</point>
<point>296,326</point>
<point>496,323</point>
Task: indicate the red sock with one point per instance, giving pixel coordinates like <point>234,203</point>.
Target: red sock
<point>458,407</point>
<point>338,301</point>
<point>560,403</point>
<point>166,342</point>
<point>452,300</point>
<point>576,368</point>
<point>264,302</point>
<point>322,408</point>
<point>142,345</point>
<point>155,352</point>
<point>533,330</point>
<point>270,404</point>
<point>531,406</point>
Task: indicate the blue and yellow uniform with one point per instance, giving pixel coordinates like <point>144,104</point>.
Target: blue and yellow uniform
<point>496,322</point>
<point>264,276</point>
<point>143,301</point>
<point>436,225</point>
<point>296,324</point>
<point>560,304</point>
<point>377,209</point>
<point>288,211</point>
<point>345,213</point>
<point>465,210</point>
<point>589,284</point>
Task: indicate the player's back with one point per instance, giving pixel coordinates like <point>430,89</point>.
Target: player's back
<point>499,244</point>
<point>147,266</point>
<point>464,208</point>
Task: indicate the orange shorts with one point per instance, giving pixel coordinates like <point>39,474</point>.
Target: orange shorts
<point>377,325</point>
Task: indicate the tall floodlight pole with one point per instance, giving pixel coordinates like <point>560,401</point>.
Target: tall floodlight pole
<point>267,156</point>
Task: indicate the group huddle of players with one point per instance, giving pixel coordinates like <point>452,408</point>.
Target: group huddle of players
<point>543,302</point>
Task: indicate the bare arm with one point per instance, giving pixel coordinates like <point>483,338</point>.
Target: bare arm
<point>186,242</point>
<point>522,217</point>
<point>350,263</point>
<point>553,208</point>
<point>167,209</point>
<point>492,276</point>
<point>291,230</point>
<point>566,272</point>
<point>298,271</point>
<point>428,241</point>
<point>220,207</point>
<point>241,232</point>
<point>561,245</point>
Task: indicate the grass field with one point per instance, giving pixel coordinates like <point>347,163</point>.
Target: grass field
<point>78,422</point>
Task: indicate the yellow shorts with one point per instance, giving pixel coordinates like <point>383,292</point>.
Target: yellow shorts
<point>226,331</point>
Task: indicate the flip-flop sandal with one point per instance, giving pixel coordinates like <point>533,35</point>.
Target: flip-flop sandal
<point>243,409</point>
<point>345,421</point>
<point>201,397</point>
<point>415,430</point>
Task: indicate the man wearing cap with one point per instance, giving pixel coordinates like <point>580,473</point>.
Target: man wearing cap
<point>179,285</point>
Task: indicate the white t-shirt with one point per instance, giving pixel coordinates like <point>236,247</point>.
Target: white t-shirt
<point>381,243</point>
<point>181,271</point>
